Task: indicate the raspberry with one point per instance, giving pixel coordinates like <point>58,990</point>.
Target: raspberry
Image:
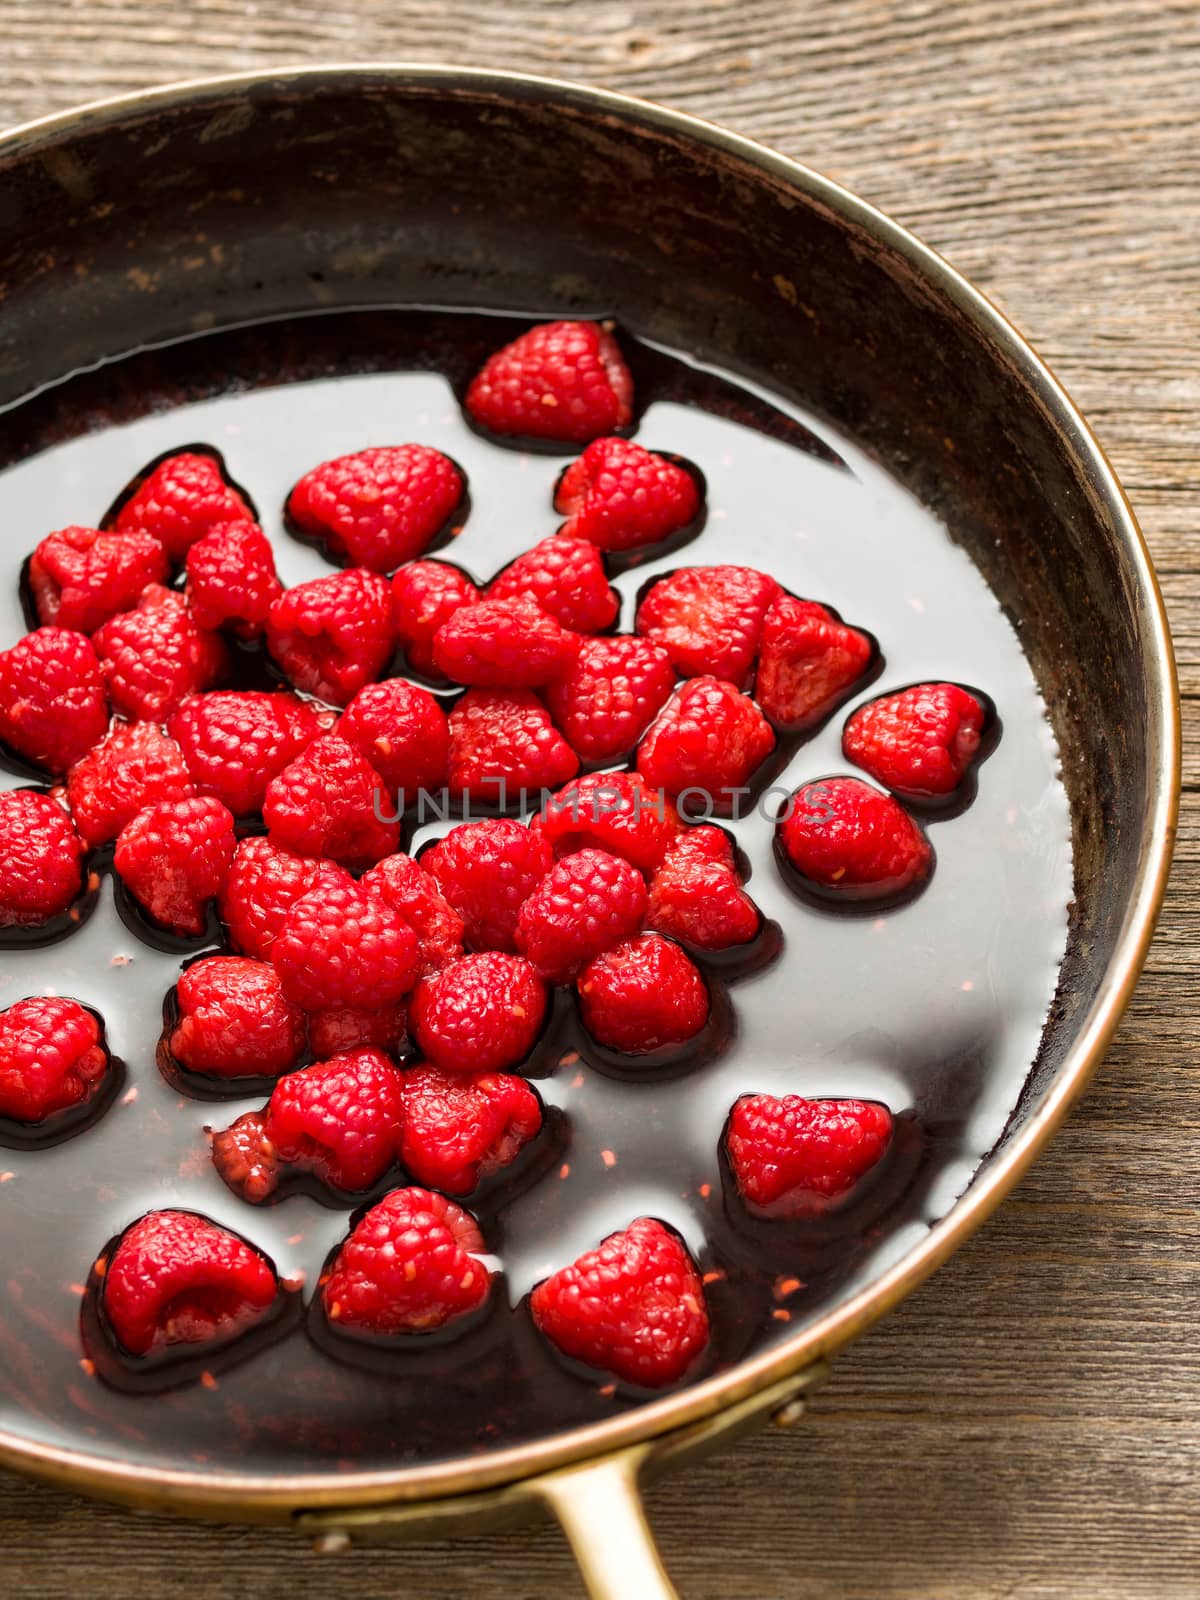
<point>586,904</point>
<point>245,1158</point>
<point>504,644</point>
<point>486,870</point>
<point>424,595</point>
<point>155,656</point>
<point>709,619</point>
<point>177,1278</point>
<point>234,1021</point>
<point>332,635</point>
<point>340,946</point>
<point>52,1058</point>
<point>263,885</point>
<point>345,1028</point>
<point>695,895</point>
<point>847,840</point>
<point>403,734</point>
<point>566,578</point>
<point>709,741</point>
<point>79,577</point>
<point>174,857</point>
<point>183,498</point>
<point>808,662</point>
<point>40,859</point>
<point>231,581</point>
<point>797,1158</point>
<point>615,811</point>
<point>339,1119</point>
<point>643,995</point>
<point>621,496</point>
<point>409,1266</point>
<point>480,1014</point>
<point>503,744</point>
<point>458,1129</point>
<point>633,1307</point>
<point>611,695</point>
<point>236,740</point>
<point>53,707</point>
<point>919,742</point>
<point>136,766</point>
<point>561,380</point>
<point>378,508</point>
<point>405,886</point>
<point>328,802</point>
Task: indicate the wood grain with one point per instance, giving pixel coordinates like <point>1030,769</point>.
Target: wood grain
<point>1029,1424</point>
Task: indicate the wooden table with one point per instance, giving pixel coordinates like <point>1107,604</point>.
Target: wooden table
<point>1027,1425</point>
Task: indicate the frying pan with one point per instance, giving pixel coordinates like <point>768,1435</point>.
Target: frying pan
<point>401,185</point>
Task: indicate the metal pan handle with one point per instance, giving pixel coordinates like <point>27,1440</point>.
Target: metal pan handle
<point>600,1509</point>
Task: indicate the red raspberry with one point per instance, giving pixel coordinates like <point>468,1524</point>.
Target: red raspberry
<point>611,695</point>
<point>709,741</point>
<point>695,895</point>
<point>847,840</point>
<point>411,1265</point>
<point>155,656</point>
<point>504,644</point>
<point>621,496</point>
<point>633,1307</point>
<point>808,663</point>
<point>245,1158</point>
<point>424,595</point>
<point>177,1278</point>
<point>561,380</point>
<point>458,1130</point>
<point>329,802</point>
<point>79,577</point>
<point>566,578</point>
<point>405,886</point>
<point>234,1021</point>
<point>40,859</point>
<point>53,708</point>
<point>487,870</point>
<point>339,1119</point>
<point>402,731</point>
<point>378,508</point>
<point>332,635</point>
<point>181,500</point>
<point>796,1158</point>
<point>643,995</point>
<point>231,580</point>
<point>52,1058</point>
<point>345,1028</point>
<point>236,740</point>
<point>136,766</point>
<point>709,619</point>
<point>340,946</point>
<point>480,1014</point>
<point>919,742</point>
<point>174,858</point>
<point>586,904</point>
<point>615,811</point>
<point>263,885</point>
<point>502,742</point>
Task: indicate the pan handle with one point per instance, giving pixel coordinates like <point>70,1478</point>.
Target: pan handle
<point>599,1507</point>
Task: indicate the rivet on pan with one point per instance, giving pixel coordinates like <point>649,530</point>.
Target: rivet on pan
<point>333,1543</point>
<point>790,1413</point>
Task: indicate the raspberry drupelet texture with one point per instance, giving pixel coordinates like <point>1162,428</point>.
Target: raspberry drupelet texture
<point>401,729</point>
<point>695,895</point>
<point>53,706</point>
<point>611,695</point>
<point>486,870</point>
<point>709,620</point>
<point>707,744</point>
<point>586,904</point>
<point>263,885</point>
<point>234,741</point>
<point>136,766</point>
<point>411,1265</point>
<point>331,802</point>
<point>234,1021</point>
<point>342,946</point>
<point>154,656</point>
<point>341,1029</point>
<point>339,1119</point>
<point>566,578</point>
<point>79,577</point>
<point>332,635</point>
<point>245,1159</point>
<point>460,1128</point>
<point>503,741</point>
<point>504,644</point>
<point>480,1014</point>
<point>403,884</point>
<point>847,840</point>
<point>643,995</point>
<point>621,496</point>
<point>808,663</point>
<point>176,1278</point>
<point>174,858</point>
<point>793,1157</point>
<point>231,579</point>
<point>633,1307</point>
<point>614,811</point>
<point>52,1058</point>
<point>424,595</point>
<point>378,508</point>
<point>41,857</point>
<point>561,380</point>
<point>182,500</point>
<point>919,742</point>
